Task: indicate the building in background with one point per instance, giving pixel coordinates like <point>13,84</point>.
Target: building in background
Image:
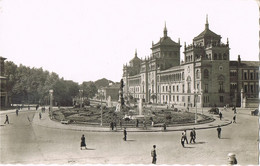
<point>3,82</point>
<point>206,76</point>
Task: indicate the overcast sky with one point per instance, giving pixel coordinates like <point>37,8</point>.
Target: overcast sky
<point>84,40</point>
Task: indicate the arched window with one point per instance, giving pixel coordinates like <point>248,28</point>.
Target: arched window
<point>225,56</point>
<point>215,56</point>
<point>206,73</point>
<point>197,74</point>
<point>219,56</point>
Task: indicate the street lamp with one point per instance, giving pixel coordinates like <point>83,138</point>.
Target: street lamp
<point>101,96</point>
<point>195,96</point>
<point>202,102</point>
<point>80,97</point>
<point>51,98</point>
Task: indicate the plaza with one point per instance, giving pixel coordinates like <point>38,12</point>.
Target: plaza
<point>30,140</point>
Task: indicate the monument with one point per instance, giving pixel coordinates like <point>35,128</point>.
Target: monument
<point>121,100</point>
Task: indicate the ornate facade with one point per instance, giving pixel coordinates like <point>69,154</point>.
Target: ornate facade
<point>206,76</point>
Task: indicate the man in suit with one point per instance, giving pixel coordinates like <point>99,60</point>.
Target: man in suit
<point>153,154</point>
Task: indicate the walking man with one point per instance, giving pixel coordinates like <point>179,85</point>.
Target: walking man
<point>185,137</point>
<point>125,134</point>
<point>234,119</point>
<point>83,142</point>
<point>219,131</point>
<point>220,115</point>
<point>40,115</point>
<point>182,139</point>
<point>6,119</point>
<point>16,112</point>
<point>192,135</point>
<point>153,154</point>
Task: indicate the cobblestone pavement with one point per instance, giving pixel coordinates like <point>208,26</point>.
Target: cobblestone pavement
<point>44,141</point>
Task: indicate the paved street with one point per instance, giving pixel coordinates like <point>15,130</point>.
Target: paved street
<point>25,142</point>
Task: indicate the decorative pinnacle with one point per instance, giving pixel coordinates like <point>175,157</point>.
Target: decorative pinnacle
<point>165,30</point>
<point>207,23</point>
<point>135,52</point>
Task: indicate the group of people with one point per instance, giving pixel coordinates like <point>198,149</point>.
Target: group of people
<point>192,137</point>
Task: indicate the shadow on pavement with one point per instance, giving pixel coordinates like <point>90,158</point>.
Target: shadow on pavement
<point>188,147</point>
<point>224,138</point>
<point>200,143</point>
<point>131,140</point>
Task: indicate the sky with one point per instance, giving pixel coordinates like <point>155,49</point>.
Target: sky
<point>86,40</point>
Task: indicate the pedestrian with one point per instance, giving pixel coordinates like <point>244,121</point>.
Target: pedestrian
<point>120,123</point>
<point>182,139</point>
<point>37,106</point>
<point>112,126</point>
<point>125,133</point>
<point>219,131</point>
<point>137,122</point>
<point>83,142</point>
<point>144,124</point>
<point>40,115</point>
<point>220,115</point>
<point>153,154</point>
<point>6,119</point>
<point>192,135</point>
<point>185,137</point>
<point>234,119</point>
<point>115,125</point>
<point>16,112</point>
<point>234,109</point>
<point>164,126</point>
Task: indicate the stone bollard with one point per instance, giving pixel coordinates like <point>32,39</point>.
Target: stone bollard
<point>232,159</point>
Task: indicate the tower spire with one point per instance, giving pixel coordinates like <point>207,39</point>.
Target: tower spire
<point>135,52</point>
<point>165,30</point>
<point>207,23</point>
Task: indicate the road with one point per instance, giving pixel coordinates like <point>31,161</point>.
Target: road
<point>25,143</point>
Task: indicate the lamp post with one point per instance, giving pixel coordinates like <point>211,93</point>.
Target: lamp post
<point>195,96</point>
<point>80,97</point>
<point>202,102</point>
<point>101,96</point>
<point>51,98</point>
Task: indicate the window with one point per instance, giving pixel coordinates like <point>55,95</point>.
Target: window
<point>166,88</point>
<point>189,87</point>
<point>245,88</point>
<point>225,56</point>
<point>183,88</point>
<point>197,74</point>
<point>162,88</point>
<point>251,75</point>
<point>173,98</point>
<point>177,87</point>
<point>221,99</point>
<point>182,75</point>
<point>158,88</point>
<point>215,56</point>
<point>219,56</point>
<point>177,98</point>
<point>169,97</point>
<point>206,88</point>
<point>252,88</point>
<point>221,88</point>
<point>245,75</point>
<point>206,73</point>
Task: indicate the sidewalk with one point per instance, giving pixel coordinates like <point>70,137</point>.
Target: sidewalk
<point>45,121</point>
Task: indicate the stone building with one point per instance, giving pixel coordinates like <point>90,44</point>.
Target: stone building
<point>206,76</point>
<point>3,82</point>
